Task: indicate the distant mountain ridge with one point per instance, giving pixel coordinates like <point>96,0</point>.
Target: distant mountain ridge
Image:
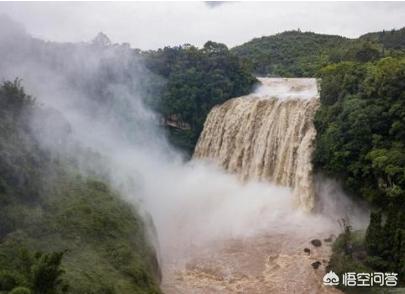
<point>393,39</point>
<point>296,53</point>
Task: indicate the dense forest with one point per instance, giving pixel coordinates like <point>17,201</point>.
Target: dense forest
<point>391,40</point>
<point>361,141</point>
<point>292,53</point>
<point>303,54</point>
<point>62,231</point>
<point>195,81</point>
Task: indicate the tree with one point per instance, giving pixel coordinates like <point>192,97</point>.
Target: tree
<point>214,48</point>
<point>399,251</point>
<point>196,80</point>
<point>46,273</point>
<point>374,234</point>
<point>364,52</point>
<point>360,140</point>
<point>34,273</point>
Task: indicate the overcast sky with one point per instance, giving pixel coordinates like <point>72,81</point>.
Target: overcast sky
<point>157,24</point>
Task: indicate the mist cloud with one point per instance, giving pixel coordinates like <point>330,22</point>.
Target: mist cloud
<point>88,87</point>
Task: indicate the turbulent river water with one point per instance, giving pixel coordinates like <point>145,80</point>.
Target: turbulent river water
<point>268,137</point>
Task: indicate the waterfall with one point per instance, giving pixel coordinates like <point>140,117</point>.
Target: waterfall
<point>267,135</point>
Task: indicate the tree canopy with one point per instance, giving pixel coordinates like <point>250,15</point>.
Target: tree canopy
<point>196,80</point>
<point>361,141</point>
<point>303,54</point>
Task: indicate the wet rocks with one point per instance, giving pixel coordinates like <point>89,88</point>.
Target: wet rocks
<point>316,264</point>
<point>316,242</point>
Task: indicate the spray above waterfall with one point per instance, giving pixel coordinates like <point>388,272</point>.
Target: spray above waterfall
<point>287,88</point>
<point>266,138</point>
<point>115,127</point>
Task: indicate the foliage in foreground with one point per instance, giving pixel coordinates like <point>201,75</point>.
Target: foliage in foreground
<point>349,255</point>
<point>37,273</point>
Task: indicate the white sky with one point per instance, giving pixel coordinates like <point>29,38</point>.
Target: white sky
<point>156,24</point>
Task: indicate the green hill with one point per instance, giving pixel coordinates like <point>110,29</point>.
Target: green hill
<point>303,54</point>
<point>62,231</point>
<point>291,53</point>
<point>394,39</point>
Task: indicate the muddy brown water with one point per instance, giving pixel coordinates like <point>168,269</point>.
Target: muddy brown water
<point>269,263</point>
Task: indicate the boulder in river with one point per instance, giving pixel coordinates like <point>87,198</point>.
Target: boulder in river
<point>316,264</point>
<point>316,242</point>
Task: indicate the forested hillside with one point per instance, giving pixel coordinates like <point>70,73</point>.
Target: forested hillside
<point>62,230</point>
<point>195,81</point>
<point>291,53</point>
<point>392,40</point>
<point>303,54</point>
<point>361,141</point>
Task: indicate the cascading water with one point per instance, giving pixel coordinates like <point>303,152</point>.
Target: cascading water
<point>267,135</point>
<point>250,237</point>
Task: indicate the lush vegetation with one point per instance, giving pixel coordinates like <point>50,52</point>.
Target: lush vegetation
<point>361,141</point>
<point>391,40</point>
<point>349,255</point>
<point>196,80</point>
<point>62,231</point>
<point>191,80</point>
<point>303,54</point>
<point>291,53</point>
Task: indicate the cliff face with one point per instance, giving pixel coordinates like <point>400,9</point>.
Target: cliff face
<point>266,136</point>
